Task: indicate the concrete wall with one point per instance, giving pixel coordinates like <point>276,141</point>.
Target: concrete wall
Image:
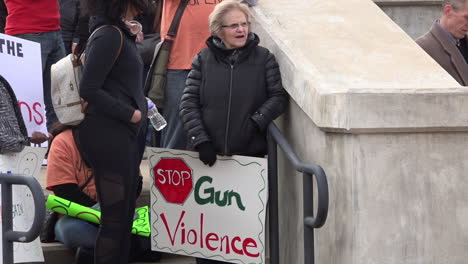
<point>415,17</point>
<point>388,125</point>
<point>395,197</point>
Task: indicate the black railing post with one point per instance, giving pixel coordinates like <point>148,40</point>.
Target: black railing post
<point>9,235</point>
<point>275,138</point>
<point>7,222</point>
<point>308,209</point>
<point>273,200</point>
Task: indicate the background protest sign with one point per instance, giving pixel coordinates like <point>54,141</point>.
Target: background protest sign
<point>20,65</point>
<point>27,162</point>
<point>210,212</point>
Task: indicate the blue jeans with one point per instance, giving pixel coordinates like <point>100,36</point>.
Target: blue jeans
<point>52,50</point>
<point>74,232</point>
<point>173,135</point>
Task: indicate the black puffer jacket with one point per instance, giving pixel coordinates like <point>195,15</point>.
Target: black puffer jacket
<point>231,96</point>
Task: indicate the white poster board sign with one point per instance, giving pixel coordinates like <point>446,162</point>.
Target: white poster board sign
<point>27,162</point>
<point>20,65</point>
<point>209,212</point>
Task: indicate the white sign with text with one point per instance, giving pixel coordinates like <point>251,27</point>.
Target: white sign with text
<point>208,212</point>
<point>27,162</point>
<point>21,66</point>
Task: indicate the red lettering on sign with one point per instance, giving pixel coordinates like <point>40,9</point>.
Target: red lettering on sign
<point>21,103</point>
<point>38,112</point>
<point>250,243</point>
<point>211,237</point>
<point>233,245</point>
<point>41,118</point>
<point>213,241</point>
<point>172,237</point>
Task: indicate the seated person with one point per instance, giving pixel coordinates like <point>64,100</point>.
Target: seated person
<point>69,177</point>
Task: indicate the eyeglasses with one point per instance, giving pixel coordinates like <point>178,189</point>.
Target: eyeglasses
<point>237,25</point>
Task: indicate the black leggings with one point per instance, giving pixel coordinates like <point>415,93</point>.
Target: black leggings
<point>111,148</point>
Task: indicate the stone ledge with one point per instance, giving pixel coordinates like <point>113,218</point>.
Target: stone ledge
<point>352,76</point>
<point>408,2</point>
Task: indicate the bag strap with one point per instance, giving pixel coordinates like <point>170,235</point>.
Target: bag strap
<point>78,58</point>
<point>177,17</point>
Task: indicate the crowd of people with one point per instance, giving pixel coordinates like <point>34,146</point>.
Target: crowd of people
<point>222,91</point>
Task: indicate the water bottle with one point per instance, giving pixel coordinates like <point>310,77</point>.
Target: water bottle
<point>156,119</point>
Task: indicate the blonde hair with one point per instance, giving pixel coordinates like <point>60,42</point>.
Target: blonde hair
<point>215,20</point>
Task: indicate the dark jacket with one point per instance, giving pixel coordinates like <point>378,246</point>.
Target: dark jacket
<point>231,96</point>
<point>74,25</point>
<point>3,15</point>
<point>113,89</point>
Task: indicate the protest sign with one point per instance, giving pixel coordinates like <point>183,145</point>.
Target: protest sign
<point>20,65</point>
<point>27,162</point>
<point>141,225</point>
<point>209,212</point>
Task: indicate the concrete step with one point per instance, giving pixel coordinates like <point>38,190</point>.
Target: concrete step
<point>57,253</point>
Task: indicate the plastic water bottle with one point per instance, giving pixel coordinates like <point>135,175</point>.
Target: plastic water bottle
<point>156,119</point>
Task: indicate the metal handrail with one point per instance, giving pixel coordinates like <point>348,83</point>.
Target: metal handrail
<point>9,235</point>
<point>275,138</point>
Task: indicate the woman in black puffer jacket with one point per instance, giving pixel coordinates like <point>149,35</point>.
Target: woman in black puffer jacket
<point>233,91</point>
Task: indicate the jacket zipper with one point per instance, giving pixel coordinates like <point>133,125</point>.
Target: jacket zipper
<point>228,113</point>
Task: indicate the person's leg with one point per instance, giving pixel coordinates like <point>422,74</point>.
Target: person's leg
<point>52,50</point>
<point>73,232</point>
<point>140,250</point>
<point>115,170</point>
<point>57,52</point>
<point>116,199</point>
<point>173,135</point>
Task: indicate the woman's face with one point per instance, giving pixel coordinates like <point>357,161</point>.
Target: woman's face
<point>235,29</point>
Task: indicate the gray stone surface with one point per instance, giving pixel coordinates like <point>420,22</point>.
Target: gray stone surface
<point>414,17</point>
<point>394,197</point>
<point>358,71</point>
<point>386,123</point>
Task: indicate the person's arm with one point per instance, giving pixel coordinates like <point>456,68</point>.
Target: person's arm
<point>277,100</point>
<point>99,60</point>
<point>61,172</point>
<point>190,106</point>
<point>73,193</point>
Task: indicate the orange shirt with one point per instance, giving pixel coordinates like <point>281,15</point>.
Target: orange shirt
<point>65,165</point>
<point>193,30</point>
